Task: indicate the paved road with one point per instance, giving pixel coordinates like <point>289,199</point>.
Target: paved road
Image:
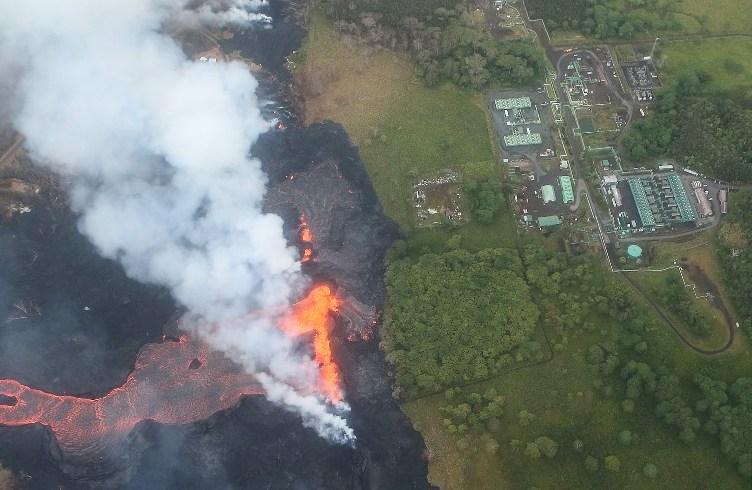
<point>558,58</point>
<point>707,352</point>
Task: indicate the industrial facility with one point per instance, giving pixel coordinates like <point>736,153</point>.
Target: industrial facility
<point>518,120</point>
<point>650,202</point>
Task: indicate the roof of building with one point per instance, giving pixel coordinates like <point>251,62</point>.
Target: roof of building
<point>567,190</point>
<point>523,139</point>
<point>641,201</point>
<point>513,103</point>
<point>686,210</point>
<point>634,251</point>
<point>548,221</point>
<point>549,193</point>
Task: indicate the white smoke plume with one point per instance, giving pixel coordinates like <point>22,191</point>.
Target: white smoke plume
<point>156,147</point>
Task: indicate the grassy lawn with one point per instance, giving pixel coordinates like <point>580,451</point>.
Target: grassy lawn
<point>652,282</point>
<point>560,394</point>
<point>404,129</point>
<point>728,60</point>
<point>722,15</point>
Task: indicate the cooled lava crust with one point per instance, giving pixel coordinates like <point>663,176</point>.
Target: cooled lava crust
<point>92,323</point>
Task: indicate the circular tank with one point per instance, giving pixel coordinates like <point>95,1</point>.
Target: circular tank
<point>634,252</point>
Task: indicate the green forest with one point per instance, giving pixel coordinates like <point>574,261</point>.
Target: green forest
<point>452,317</point>
<point>707,130</point>
<point>735,256</point>
<point>607,19</point>
<point>592,319</point>
<point>445,43</point>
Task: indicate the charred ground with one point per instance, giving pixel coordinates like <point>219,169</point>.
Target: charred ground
<point>93,320</point>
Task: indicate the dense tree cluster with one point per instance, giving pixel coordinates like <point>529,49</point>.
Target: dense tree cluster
<point>730,418</point>
<point>484,197</point>
<point>673,295</point>
<point>477,412</point>
<point>445,42</point>
<point>452,316</point>
<point>709,132</point>
<point>607,19</point>
<point>736,257</point>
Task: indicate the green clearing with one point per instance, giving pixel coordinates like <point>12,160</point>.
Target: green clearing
<point>568,406</point>
<point>404,130</point>
<point>654,282</point>
<point>560,394</point>
<point>716,16</point>
<point>727,60</point>
<point>431,130</point>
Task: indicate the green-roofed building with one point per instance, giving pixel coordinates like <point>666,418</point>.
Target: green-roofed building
<point>641,201</point>
<point>567,189</point>
<point>549,194</point>
<point>522,139</point>
<point>548,221</point>
<point>686,210</point>
<point>513,103</point>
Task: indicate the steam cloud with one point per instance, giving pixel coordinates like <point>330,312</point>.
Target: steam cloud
<point>156,148</point>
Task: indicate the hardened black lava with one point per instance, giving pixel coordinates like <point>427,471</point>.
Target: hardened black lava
<point>93,319</point>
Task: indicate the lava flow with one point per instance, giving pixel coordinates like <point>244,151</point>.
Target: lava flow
<point>172,383</point>
<point>313,315</point>
<point>306,237</point>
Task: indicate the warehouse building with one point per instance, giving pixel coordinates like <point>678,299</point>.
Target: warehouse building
<point>546,222</point>
<point>549,194</point>
<point>567,190</point>
<point>649,202</point>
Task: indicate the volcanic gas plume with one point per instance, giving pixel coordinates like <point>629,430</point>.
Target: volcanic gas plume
<point>155,148</point>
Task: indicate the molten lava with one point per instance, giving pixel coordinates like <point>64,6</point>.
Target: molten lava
<point>172,383</point>
<point>313,315</point>
<point>306,237</point>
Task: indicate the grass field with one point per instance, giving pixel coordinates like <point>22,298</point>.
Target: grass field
<point>652,282</point>
<point>404,130</point>
<point>727,60</point>
<point>717,15</point>
<point>560,394</point>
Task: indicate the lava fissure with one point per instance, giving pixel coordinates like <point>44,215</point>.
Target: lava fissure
<point>314,315</point>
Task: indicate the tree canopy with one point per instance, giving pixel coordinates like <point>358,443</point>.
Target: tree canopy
<point>607,19</point>
<point>708,131</point>
<point>446,43</point>
<point>452,316</point>
<point>736,257</point>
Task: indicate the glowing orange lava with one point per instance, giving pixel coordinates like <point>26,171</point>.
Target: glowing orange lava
<point>313,315</point>
<point>171,383</point>
<point>306,237</point>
